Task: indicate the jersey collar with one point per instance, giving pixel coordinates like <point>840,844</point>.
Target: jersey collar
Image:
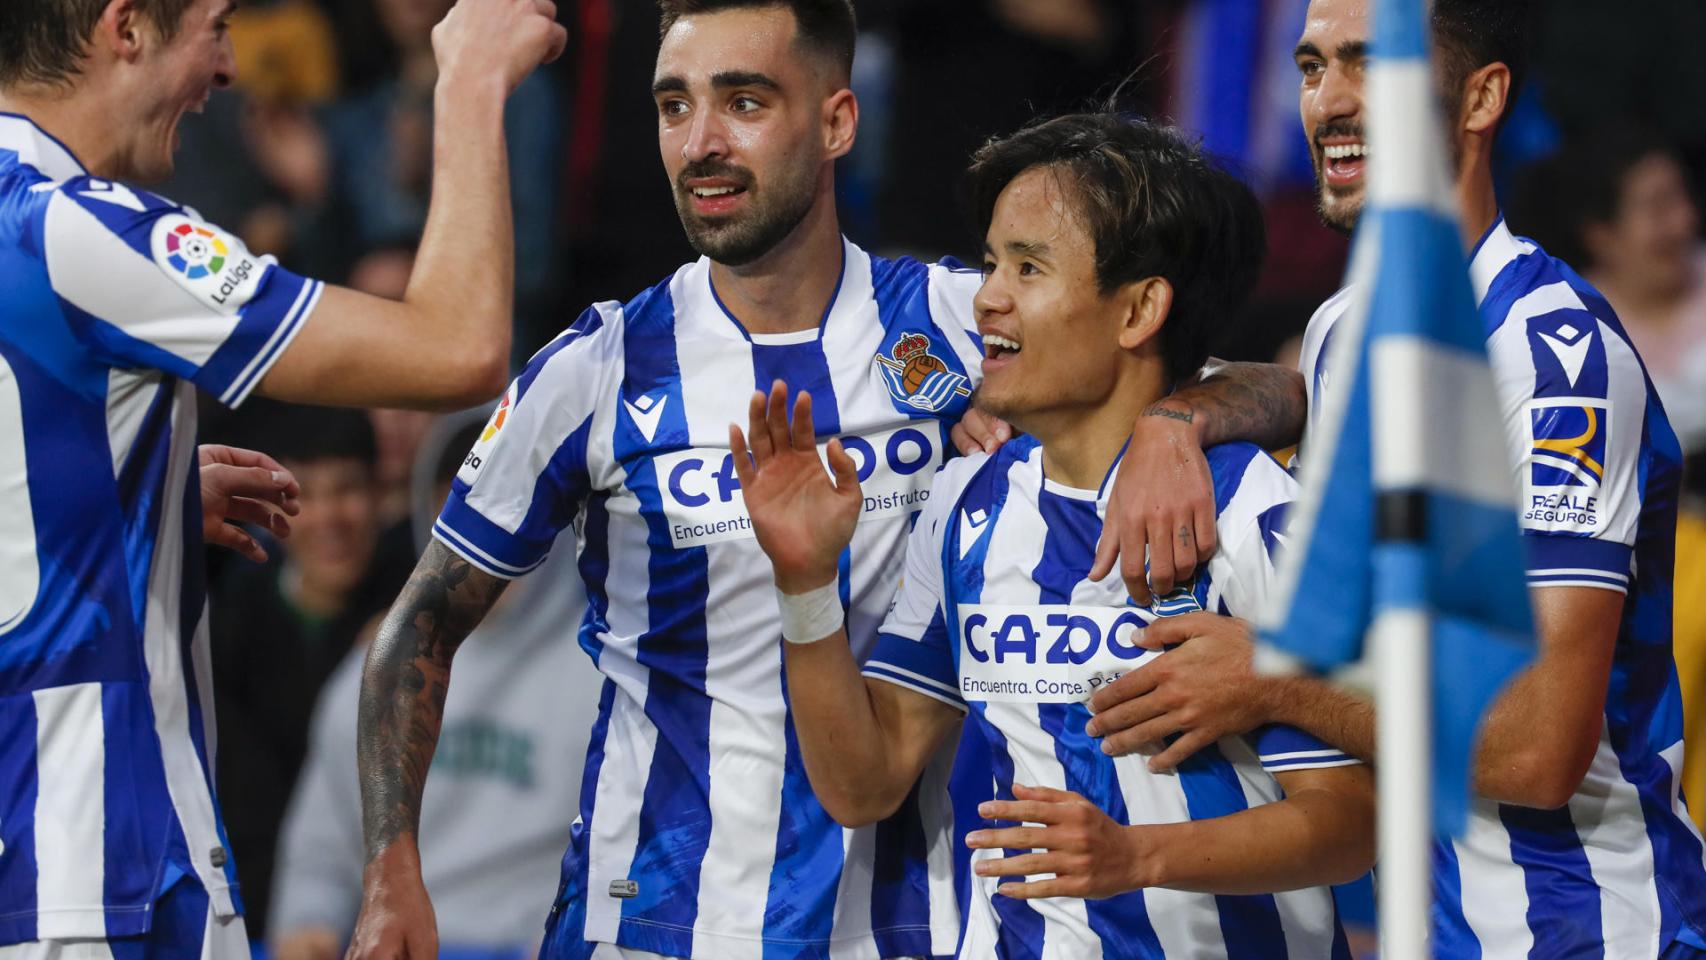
<point>37,148</point>
<point>1495,252</point>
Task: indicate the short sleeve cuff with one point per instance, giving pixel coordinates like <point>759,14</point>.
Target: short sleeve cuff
<point>269,322</point>
<point>1282,749</point>
<point>485,544</point>
<point>917,665</point>
<point>1562,561</point>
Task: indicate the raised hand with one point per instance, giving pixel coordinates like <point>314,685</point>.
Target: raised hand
<point>482,39</point>
<point>802,518</point>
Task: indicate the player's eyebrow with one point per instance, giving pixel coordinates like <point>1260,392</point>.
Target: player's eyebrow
<point>1349,50</point>
<point>669,84</point>
<point>1024,248</point>
<point>743,78</point>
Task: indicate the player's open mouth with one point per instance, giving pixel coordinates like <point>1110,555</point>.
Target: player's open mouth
<point>1342,162</point>
<point>716,197</point>
<point>998,351</point>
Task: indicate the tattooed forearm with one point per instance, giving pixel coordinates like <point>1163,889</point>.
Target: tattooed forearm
<point>403,687</point>
<point>1262,403</point>
<point>1162,410</point>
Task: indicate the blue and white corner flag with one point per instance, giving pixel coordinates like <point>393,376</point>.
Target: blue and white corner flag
<point>1409,501</point>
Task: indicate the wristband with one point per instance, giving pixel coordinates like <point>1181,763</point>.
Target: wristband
<point>811,616</point>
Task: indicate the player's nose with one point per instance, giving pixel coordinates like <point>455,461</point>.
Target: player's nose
<point>1338,98</point>
<point>705,138</point>
<point>225,69</point>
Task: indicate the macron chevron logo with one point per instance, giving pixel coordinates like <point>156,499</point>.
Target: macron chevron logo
<point>972,525</point>
<point>116,194</point>
<point>647,413</point>
<point>1570,346</point>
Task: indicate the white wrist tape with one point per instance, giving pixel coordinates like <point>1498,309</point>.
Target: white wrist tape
<point>811,616</point>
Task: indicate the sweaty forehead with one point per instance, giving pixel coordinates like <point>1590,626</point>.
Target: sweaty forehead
<point>1331,24</point>
<point>751,40</point>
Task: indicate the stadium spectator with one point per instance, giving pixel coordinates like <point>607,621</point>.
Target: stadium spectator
<point>515,729</point>
<point>119,306</point>
<point>1617,207</point>
<point>279,629</point>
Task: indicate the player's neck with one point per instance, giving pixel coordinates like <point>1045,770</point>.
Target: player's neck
<point>789,288</point>
<point>1079,445</point>
<point>80,118</point>
<point>1477,204</point>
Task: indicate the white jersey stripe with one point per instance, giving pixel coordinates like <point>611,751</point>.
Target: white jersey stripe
<point>1613,830</point>
<point>1494,888</point>
<point>168,676</point>
<point>70,807</point>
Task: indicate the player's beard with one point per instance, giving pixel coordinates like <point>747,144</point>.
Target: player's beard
<point>1344,217</point>
<point>772,214</point>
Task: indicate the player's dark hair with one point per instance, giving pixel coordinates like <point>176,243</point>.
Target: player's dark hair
<point>827,27</point>
<point>41,41</point>
<point>1155,205</point>
<point>1471,34</point>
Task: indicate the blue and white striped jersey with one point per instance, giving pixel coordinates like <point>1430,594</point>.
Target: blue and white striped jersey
<point>117,306</point>
<point>1618,871</point>
<point>699,833</point>
<point>997,614</point>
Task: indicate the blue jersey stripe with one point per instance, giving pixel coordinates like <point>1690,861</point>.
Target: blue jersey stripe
<point>808,845</point>
<point>18,740</point>
<point>128,800</point>
<point>675,826</point>
<point>900,884</point>
<point>1450,927</point>
<point>566,927</point>
<point>1563,900</point>
<point>139,486</point>
<point>594,564</point>
<point>1250,924</point>
<point>1121,921</point>
<point>1021,934</point>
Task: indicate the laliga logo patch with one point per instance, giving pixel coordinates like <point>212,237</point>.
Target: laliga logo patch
<point>195,252</point>
<point>1566,464</point>
<point>476,457</point>
<point>918,378</point>
<point>212,265</point>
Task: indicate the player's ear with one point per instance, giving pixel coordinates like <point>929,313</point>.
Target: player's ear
<point>1147,303</point>
<point>1485,96</point>
<point>840,123</point>
<point>120,30</point>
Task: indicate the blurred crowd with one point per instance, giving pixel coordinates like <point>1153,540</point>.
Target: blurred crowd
<point>321,157</point>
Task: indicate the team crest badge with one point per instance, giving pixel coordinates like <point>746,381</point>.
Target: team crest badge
<point>919,378</point>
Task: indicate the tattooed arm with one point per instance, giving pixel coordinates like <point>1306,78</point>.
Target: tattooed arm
<point>402,704</point>
<point>1163,497</point>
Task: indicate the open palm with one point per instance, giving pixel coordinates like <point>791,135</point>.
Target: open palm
<point>803,518</point>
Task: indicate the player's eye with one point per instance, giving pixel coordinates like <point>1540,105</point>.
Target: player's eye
<point>672,108</point>
<point>988,268</point>
<point>745,104</point>
<point>1311,68</point>
<point>1027,268</point>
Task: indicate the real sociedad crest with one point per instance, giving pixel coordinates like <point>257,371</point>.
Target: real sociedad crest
<point>919,378</point>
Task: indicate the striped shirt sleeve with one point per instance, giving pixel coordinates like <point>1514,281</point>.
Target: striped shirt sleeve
<point>1579,405</point>
<point>524,480</point>
<point>148,284</point>
<point>913,647</point>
